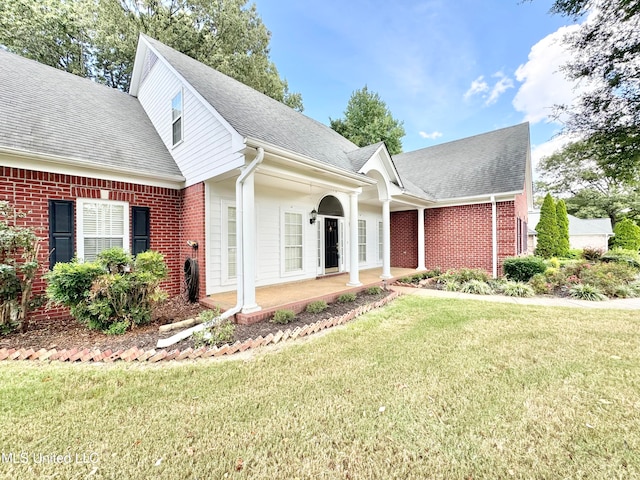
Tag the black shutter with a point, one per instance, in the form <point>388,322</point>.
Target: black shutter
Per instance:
<point>141,238</point>
<point>61,243</point>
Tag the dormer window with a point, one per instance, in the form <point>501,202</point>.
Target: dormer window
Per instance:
<point>176,118</point>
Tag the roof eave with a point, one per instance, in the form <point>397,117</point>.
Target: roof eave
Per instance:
<point>484,198</point>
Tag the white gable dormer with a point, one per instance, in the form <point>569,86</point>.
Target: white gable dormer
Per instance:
<point>202,143</point>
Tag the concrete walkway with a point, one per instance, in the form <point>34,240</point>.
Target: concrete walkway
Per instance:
<point>619,303</point>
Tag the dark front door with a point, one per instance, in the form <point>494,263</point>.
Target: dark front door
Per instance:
<point>331,256</point>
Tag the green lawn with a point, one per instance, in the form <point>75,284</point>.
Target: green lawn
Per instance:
<point>424,388</point>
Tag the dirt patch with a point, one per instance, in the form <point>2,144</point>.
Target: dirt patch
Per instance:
<point>68,333</point>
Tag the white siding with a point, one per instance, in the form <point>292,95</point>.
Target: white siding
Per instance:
<point>207,146</point>
<point>372,216</point>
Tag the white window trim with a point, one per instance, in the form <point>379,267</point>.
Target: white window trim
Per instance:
<point>224,242</point>
<point>181,117</point>
<point>283,262</point>
<point>80,202</point>
<point>360,261</point>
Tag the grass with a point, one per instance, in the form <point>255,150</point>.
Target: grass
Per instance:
<point>424,388</point>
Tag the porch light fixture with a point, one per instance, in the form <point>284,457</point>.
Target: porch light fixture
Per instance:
<point>314,215</point>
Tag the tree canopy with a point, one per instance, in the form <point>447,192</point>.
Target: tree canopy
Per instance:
<point>604,59</point>
<point>98,38</point>
<point>367,120</point>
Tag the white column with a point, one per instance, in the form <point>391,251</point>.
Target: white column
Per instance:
<point>249,245</point>
<point>354,273</point>
<point>421,245</point>
<point>386,240</point>
<point>494,236</point>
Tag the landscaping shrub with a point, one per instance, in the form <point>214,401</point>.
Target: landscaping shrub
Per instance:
<point>465,274</point>
<point>626,234</point>
<point>451,285</point>
<point>19,248</point>
<point>574,253</point>
<point>216,335</point>
<point>547,229</point>
<point>591,253</point>
<point>109,293</point>
<point>521,269</point>
<point>318,306</point>
<point>562,220</point>
<point>629,257</point>
<point>283,316</point>
<point>347,297</point>
<point>608,277</point>
<point>540,284</point>
<point>375,290</point>
<point>209,315</point>
<point>586,292</point>
<point>517,289</point>
<point>625,291</point>
<point>477,287</point>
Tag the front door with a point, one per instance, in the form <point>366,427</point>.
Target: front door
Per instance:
<point>331,243</point>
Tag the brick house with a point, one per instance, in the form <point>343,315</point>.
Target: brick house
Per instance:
<point>197,165</point>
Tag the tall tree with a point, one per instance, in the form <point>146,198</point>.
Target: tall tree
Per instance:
<point>547,229</point>
<point>626,235</point>
<point>583,172</point>
<point>98,38</point>
<point>605,51</point>
<point>562,219</point>
<point>367,120</point>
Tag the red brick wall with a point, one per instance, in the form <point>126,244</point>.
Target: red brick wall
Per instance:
<point>404,239</point>
<point>455,237</point>
<point>193,229</point>
<point>29,191</point>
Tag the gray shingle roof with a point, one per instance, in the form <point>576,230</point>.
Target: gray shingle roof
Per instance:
<point>579,226</point>
<point>486,164</point>
<point>253,114</point>
<point>362,155</point>
<point>51,112</point>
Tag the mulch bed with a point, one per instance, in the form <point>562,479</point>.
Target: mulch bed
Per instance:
<point>68,333</point>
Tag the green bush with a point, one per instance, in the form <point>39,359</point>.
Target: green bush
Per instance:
<point>547,229</point>
<point>574,253</point>
<point>283,316</point>
<point>626,234</point>
<point>521,269</point>
<point>216,335</point>
<point>465,274</point>
<point>540,284</point>
<point>517,289</point>
<point>318,306</point>
<point>586,292</point>
<point>451,285</point>
<point>562,220</point>
<point>625,291</point>
<point>608,277</point>
<point>591,253</point>
<point>630,257</point>
<point>107,292</point>
<point>347,297</point>
<point>209,314</point>
<point>477,287</point>
<point>375,290</point>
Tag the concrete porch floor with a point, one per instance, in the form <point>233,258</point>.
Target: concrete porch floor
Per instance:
<point>296,295</point>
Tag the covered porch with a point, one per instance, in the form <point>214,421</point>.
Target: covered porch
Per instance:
<point>296,295</point>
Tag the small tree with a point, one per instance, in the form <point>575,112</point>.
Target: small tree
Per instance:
<point>626,235</point>
<point>562,220</point>
<point>547,229</point>
<point>19,250</point>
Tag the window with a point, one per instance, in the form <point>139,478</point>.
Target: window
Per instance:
<point>292,241</point>
<point>176,118</point>
<point>380,240</point>
<point>362,240</point>
<point>232,244</point>
<point>102,224</point>
<point>141,238</point>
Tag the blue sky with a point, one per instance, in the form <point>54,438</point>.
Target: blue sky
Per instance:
<point>447,68</point>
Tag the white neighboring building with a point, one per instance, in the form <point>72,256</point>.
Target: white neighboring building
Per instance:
<point>583,233</point>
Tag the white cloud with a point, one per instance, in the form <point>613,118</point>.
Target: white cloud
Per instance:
<point>477,86</point>
<point>430,136</point>
<point>538,152</point>
<point>490,94</point>
<point>499,88</point>
<point>543,84</point>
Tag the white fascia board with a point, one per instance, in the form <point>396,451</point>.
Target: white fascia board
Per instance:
<point>499,197</point>
<point>387,162</point>
<point>355,178</point>
<point>237,140</point>
<point>83,168</point>
<point>138,62</point>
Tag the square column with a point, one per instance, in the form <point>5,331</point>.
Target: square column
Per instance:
<point>249,245</point>
<point>386,240</point>
<point>421,241</point>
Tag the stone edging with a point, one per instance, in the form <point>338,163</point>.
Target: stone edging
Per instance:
<point>86,355</point>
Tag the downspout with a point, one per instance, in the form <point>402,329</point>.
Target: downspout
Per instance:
<point>239,264</point>
<point>494,235</point>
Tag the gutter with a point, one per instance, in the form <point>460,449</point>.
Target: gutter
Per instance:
<point>165,342</point>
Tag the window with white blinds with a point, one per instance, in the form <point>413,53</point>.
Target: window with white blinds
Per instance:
<point>232,245</point>
<point>292,241</point>
<point>362,240</point>
<point>102,224</point>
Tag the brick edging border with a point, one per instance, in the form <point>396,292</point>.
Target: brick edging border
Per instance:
<point>136,354</point>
